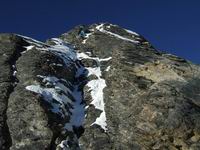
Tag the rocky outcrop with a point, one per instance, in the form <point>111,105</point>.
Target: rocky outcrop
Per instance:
<point>106,89</point>
<point>10,48</point>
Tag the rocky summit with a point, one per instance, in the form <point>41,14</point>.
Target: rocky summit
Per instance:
<point>96,87</point>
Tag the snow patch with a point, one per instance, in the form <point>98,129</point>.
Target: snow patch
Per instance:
<point>85,56</point>
<point>55,92</point>
<point>53,96</point>
<point>86,37</point>
<point>108,68</point>
<point>65,98</point>
<point>131,32</point>
<point>108,27</point>
<point>60,65</point>
<point>14,70</point>
<point>29,47</point>
<point>101,29</point>
<point>96,88</point>
<point>96,71</point>
<point>33,41</point>
<point>62,49</point>
<point>64,145</point>
<point>105,59</point>
<point>14,73</point>
<point>57,95</point>
<point>101,120</point>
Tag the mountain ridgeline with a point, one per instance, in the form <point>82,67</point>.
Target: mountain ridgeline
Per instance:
<point>96,87</point>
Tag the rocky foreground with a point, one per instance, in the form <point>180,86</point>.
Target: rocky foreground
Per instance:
<point>108,89</point>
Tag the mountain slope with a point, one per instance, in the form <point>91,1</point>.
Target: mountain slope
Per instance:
<point>96,87</point>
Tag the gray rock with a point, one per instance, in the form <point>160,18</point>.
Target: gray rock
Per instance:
<point>146,99</point>
<point>151,97</point>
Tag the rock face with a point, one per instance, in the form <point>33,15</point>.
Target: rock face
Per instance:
<point>97,87</point>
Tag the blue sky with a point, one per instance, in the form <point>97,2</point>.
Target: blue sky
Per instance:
<point>170,25</point>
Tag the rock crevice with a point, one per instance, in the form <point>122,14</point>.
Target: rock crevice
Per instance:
<point>11,47</point>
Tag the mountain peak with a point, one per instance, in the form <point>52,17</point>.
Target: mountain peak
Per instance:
<point>108,29</point>
<point>97,86</point>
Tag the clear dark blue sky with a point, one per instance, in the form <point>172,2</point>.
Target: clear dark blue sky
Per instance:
<point>170,25</point>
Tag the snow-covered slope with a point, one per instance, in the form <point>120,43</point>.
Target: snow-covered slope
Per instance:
<point>55,91</point>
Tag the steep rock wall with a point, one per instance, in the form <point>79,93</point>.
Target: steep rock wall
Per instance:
<point>108,89</point>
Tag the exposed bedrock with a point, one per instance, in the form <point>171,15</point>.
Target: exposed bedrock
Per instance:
<point>105,89</point>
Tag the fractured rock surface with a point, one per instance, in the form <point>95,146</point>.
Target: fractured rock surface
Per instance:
<point>110,89</point>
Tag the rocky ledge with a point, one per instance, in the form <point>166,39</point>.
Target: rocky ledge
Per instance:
<point>96,87</point>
